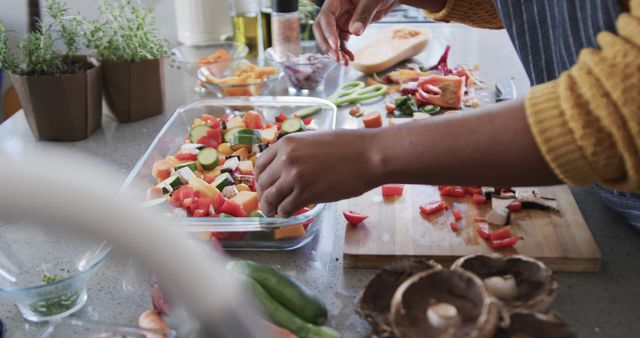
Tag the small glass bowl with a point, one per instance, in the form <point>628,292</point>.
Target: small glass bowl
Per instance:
<point>45,272</point>
<point>254,88</point>
<point>304,77</point>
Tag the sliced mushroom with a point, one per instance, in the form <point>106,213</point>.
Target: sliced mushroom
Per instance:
<point>443,303</point>
<point>530,199</point>
<point>374,304</point>
<point>526,324</point>
<point>535,285</point>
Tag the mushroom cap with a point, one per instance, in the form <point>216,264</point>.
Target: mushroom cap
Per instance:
<point>478,312</point>
<point>537,287</point>
<point>374,304</point>
<point>523,324</point>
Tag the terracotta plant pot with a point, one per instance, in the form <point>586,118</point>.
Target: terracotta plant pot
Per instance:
<point>63,107</point>
<point>134,90</point>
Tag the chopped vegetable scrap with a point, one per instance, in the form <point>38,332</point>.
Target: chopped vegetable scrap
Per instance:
<point>456,214</point>
<point>505,243</point>
<point>356,112</point>
<point>433,207</point>
<point>353,217</point>
<point>454,227</point>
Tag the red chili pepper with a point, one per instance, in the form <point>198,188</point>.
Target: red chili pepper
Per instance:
<point>501,234</point>
<point>505,243</point>
<point>483,231</point>
<point>433,207</point>
<point>515,206</point>
<point>479,199</point>
<point>392,190</point>
<point>456,214</point>
<point>454,227</point>
<point>479,219</point>
<point>452,191</point>
<point>353,217</point>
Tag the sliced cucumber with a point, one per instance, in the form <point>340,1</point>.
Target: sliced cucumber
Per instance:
<point>292,125</point>
<point>198,132</point>
<point>222,181</point>
<point>306,112</point>
<point>231,133</point>
<point>191,165</point>
<point>170,184</point>
<point>208,158</point>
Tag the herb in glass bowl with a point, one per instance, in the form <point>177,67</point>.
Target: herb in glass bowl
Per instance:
<point>59,304</point>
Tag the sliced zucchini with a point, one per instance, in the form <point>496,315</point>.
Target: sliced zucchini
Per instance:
<point>170,184</point>
<point>243,139</point>
<point>208,158</point>
<point>191,165</point>
<point>292,125</point>
<point>198,132</point>
<point>230,133</point>
<point>222,181</point>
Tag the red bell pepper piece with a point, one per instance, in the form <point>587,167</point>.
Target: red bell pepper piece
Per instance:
<point>281,117</point>
<point>433,207</point>
<point>473,190</point>
<point>505,243</point>
<point>307,121</point>
<point>186,157</point>
<point>479,199</point>
<point>218,202</point>
<point>456,214</point>
<point>454,227</point>
<point>515,206</point>
<point>353,217</point>
<point>207,141</point>
<point>501,234</point>
<point>483,231</point>
<point>389,190</point>
<point>232,208</point>
<point>452,191</point>
<point>216,134</point>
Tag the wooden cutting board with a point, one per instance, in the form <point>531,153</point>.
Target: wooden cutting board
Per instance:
<point>396,229</point>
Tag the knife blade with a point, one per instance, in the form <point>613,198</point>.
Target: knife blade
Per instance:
<point>505,90</point>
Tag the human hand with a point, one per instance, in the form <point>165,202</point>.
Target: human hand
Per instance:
<point>338,19</point>
<point>305,168</point>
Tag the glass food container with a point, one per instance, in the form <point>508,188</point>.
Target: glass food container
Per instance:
<point>259,231</point>
<point>91,329</point>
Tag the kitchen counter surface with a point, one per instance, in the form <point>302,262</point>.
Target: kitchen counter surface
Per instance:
<point>603,304</point>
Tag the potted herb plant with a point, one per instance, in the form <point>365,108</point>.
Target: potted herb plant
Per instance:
<point>60,92</point>
<point>128,43</point>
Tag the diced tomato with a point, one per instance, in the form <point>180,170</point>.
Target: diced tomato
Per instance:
<point>215,134</point>
<point>433,207</point>
<point>515,206</point>
<point>281,117</point>
<point>452,191</point>
<point>307,121</point>
<point>505,243</point>
<point>252,120</point>
<point>501,234</point>
<point>456,214</point>
<point>454,227</point>
<point>209,179</point>
<point>186,157</point>
<point>232,208</point>
<point>392,190</point>
<point>218,202</point>
<point>353,217</point>
<point>483,231</point>
<point>201,213</point>
<point>207,141</point>
<point>480,219</point>
<point>372,119</point>
<point>479,199</point>
<point>473,190</point>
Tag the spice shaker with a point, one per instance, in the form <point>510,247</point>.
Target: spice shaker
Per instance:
<point>285,28</point>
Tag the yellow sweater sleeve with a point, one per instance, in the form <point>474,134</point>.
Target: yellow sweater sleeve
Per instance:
<point>476,13</point>
<point>587,122</point>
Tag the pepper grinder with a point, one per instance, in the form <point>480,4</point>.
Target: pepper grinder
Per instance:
<point>285,28</point>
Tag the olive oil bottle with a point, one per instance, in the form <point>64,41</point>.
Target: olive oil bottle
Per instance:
<point>245,31</point>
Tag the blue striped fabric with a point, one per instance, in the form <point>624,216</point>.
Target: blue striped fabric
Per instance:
<point>548,36</point>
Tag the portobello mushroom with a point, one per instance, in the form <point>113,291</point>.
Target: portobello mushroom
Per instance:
<point>443,303</point>
<point>374,304</point>
<point>519,282</point>
<point>530,199</point>
<point>526,324</point>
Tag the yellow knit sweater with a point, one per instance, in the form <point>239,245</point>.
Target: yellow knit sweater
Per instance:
<point>587,122</point>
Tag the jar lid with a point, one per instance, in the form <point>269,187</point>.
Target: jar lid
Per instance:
<point>284,6</point>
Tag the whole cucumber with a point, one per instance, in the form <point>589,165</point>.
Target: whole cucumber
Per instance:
<point>285,290</point>
<point>282,317</point>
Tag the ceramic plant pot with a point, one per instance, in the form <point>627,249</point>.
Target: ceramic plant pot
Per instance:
<point>134,90</point>
<point>63,107</point>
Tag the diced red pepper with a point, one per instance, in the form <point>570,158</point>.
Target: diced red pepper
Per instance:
<point>479,199</point>
<point>389,190</point>
<point>215,134</point>
<point>515,206</point>
<point>232,208</point>
<point>452,191</point>
<point>433,207</point>
<point>281,117</point>
<point>456,214</point>
<point>186,157</point>
<point>501,234</point>
<point>306,224</point>
<point>307,121</point>
<point>479,219</point>
<point>218,202</point>
<point>353,217</point>
<point>505,243</point>
<point>483,231</point>
<point>473,190</point>
<point>207,141</point>
<point>454,227</point>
